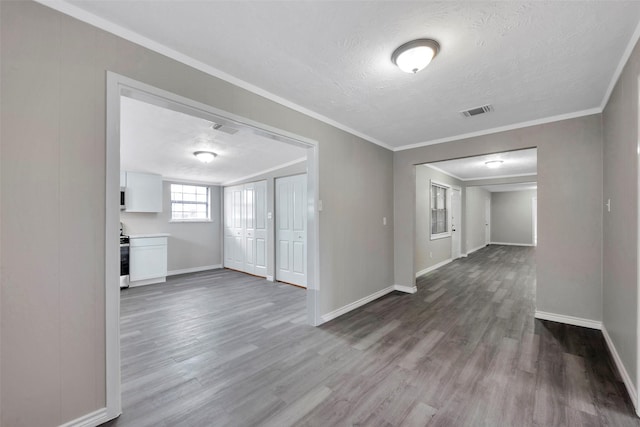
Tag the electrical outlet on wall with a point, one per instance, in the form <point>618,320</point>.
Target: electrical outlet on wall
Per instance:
<point>430,254</point>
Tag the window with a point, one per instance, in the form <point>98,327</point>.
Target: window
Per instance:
<point>189,203</point>
<point>439,210</point>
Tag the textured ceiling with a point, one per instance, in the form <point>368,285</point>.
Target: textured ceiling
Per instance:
<point>530,60</point>
<point>524,186</point>
<point>515,163</point>
<point>162,141</point>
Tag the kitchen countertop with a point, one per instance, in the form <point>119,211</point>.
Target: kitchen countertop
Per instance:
<point>140,236</point>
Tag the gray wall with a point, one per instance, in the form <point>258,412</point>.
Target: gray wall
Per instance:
<point>53,161</point>
<point>191,244</point>
<point>620,234</point>
<point>429,252</point>
<point>511,217</point>
<point>474,214</point>
<point>270,177</point>
<point>569,202</point>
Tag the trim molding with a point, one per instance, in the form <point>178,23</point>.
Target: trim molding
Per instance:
<point>475,249</point>
<point>91,419</point>
<point>626,379</point>
<point>569,320</point>
<point>620,68</point>
<point>359,303</point>
<point>193,270</point>
<point>408,289</point>
<point>134,37</point>
<point>511,244</point>
<point>433,267</point>
<point>515,126</point>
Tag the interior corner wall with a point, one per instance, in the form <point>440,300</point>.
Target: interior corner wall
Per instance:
<point>475,220</point>
<point>53,109</point>
<point>511,217</point>
<point>620,225</point>
<point>429,252</point>
<point>191,245</point>
<point>569,260</point>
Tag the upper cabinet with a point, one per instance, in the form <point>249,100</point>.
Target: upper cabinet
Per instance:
<point>143,192</point>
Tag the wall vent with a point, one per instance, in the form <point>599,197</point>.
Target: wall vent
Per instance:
<point>224,128</point>
<point>478,110</point>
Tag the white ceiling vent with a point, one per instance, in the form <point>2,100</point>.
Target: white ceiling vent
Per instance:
<point>478,110</point>
<point>224,128</point>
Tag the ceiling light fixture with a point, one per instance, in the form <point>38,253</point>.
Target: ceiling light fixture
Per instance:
<point>205,156</point>
<point>493,164</point>
<point>413,56</point>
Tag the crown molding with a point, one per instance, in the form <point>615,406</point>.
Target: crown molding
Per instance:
<point>623,61</point>
<point>134,37</point>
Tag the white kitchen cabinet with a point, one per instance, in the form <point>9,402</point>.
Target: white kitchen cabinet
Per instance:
<point>143,192</point>
<point>147,260</point>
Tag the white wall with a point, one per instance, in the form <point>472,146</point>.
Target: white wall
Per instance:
<point>511,217</point>
<point>429,252</point>
<point>191,244</point>
<point>474,216</point>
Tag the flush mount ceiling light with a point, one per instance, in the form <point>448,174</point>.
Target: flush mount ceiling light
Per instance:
<point>413,56</point>
<point>493,164</point>
<point>205,156</point>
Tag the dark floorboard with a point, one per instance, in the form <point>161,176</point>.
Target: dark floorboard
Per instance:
<point>221,348</point>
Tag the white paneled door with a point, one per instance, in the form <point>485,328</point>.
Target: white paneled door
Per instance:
<point>291,230</point>
<point>233,228</point>
<point>245,228</point>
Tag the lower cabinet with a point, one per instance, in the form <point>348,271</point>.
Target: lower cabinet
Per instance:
<point>147,260</point>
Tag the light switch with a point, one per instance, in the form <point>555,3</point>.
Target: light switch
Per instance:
<point>384,220</point>
<point>319,205</point>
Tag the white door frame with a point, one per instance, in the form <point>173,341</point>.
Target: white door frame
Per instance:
<point>487,220</point>
<point>118,85</point>
<point>458,221</point>
<point>534,220</point>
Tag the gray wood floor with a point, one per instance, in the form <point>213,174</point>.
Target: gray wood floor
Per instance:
<point>222,348</point>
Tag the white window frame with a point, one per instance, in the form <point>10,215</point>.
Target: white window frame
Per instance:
<point>207,219</point>
<point>447,233</point>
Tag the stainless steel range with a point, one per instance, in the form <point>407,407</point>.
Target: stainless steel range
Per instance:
<point>124,261</point>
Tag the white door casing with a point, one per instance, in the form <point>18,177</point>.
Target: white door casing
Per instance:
<point>260,203</point>
<point>291,233</point>
<point>487,220</point>
<point>534,220</point>
<point>249,223</point>
<point>456,222</point>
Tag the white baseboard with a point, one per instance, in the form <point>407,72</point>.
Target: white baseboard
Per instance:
<point>352,306</point>
<point>433,267</point>
<point>408,289</point>
<point>92,419</point>
<point>147,282</point>
<point>475,249</point>
<point>569,320</point>
<point>511,244</point>
<point>270,278</point>
<point>628,383</point>
<point>193,270</point>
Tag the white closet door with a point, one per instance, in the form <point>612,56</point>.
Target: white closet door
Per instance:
<point>291,229</point>
<point>260,231</point>
<point>233,228</point>
<point>249,229</point>
<point>245,228</point>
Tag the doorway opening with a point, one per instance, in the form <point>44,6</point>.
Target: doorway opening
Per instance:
<point>465,204</point>
<point>120,87</point>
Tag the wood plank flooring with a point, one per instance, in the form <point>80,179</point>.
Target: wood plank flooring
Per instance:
<point>222,348</point>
